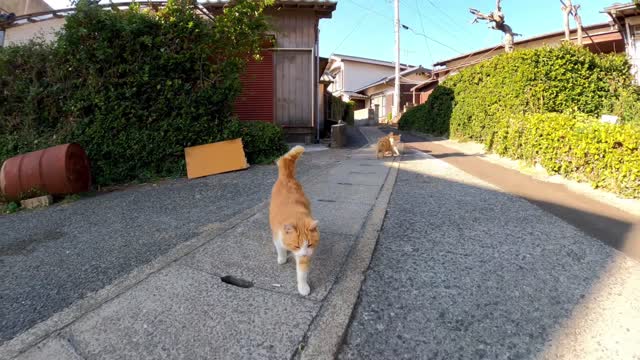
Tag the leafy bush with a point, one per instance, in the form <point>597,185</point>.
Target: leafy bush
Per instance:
<point>349,113</point>
<point>549,79</point>
<point>513,104</point>
<point>576,146</point>
<point>132,87</point>
<point>433,116</point>
<point>341,110</point>
<point>263,142</point>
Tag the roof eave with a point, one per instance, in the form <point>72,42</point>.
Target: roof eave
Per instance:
<point>523,41</point>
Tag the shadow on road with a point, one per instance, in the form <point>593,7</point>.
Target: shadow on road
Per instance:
<point>464,271</point>
<point>604,222</point>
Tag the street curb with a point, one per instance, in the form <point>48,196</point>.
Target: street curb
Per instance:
<point>64,318</point>
<point>328,328</point>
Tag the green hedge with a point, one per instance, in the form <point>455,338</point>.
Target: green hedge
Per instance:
<point>513,104</point>
<point>576,146</point>
<point>134,88</point>
<point>263,142</point>
<point>349,113</point>
<point>341,110</point>
<point>432,117</point>
<point>549,79</point>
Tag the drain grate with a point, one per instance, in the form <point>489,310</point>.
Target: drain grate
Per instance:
<point>232,280</point>
<point>326,200</point>
<point>345,183</point>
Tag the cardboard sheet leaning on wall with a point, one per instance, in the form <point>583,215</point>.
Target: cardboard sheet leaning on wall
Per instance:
<point>215,158</point>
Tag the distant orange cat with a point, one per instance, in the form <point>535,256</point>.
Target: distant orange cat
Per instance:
<point>388,143</point>
<point>292,226</point>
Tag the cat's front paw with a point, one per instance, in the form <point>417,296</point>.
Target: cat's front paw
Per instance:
<point>282,260</point>
<point>304,289</point>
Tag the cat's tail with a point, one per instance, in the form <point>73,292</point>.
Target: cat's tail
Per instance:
<point>287,163</point>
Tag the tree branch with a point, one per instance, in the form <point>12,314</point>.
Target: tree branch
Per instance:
<point>497,18</point>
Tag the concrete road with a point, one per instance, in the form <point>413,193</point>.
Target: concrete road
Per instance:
<point>464,270</point>
<point>179,305</point>
<point>53,257</point>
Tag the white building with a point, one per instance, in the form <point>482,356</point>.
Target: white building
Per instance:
<point>627,19</point>
<point>351,73</point>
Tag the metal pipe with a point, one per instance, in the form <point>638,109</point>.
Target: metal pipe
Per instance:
<point>630,43</point>
<point>316,85</point>
<point>313,100</point>
<point>396,94</point>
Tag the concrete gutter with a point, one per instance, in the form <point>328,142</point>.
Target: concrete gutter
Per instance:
<point>330,325</point>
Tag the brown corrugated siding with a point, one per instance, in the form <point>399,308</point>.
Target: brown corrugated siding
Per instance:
<point>256,102</point>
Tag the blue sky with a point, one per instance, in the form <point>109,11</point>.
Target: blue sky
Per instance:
<point>365,27</point>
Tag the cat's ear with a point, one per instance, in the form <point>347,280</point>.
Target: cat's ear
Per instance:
<point>313,225</point>
<point>288,228</point>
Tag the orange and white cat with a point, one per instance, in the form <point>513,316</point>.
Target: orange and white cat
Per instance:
<point>388,143</point>
<point>292,225</point>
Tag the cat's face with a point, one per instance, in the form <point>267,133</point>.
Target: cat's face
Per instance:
<point>301,239</point>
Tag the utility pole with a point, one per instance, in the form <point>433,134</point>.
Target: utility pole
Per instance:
<point>396,92</point>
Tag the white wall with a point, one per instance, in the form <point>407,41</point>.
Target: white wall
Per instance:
<point>357,74</point>
<point>23,33</point>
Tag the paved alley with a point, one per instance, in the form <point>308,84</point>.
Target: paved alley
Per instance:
<point>463,270</point>
<point>176,306</point>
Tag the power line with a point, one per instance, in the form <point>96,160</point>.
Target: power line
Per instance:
<point>453,22</point>
<point>350,33</point>
<point>426,42</point>
<point>430,38</point>
<point>403,26</point>
<point>437,21</point>
<point>371,10</point>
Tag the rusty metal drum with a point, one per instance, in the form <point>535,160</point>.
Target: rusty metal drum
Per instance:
<point>58,170</point>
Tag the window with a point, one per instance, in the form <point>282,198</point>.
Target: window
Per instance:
<point>381,101</point>
<point>1,37</point>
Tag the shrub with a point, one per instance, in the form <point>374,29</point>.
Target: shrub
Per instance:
<point>541,105</point>
<point>263,142</point>
<point>549,79</point>
<point>132,87</point>
<point>349,113</point>
<point>341,110</point>
<point>576,146</point>
<point>337,107</point>
<point>432,117</point>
